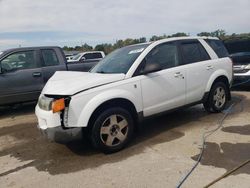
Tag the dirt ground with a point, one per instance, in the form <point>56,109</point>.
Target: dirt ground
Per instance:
<point>159,156</point>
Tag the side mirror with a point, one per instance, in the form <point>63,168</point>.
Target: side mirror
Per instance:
<point>83,59</point>
<point>152,67</point>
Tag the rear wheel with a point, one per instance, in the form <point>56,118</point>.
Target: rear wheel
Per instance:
<point>218,97</point>
<point>112,130</point>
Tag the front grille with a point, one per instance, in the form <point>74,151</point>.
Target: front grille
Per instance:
<point>240,70</point>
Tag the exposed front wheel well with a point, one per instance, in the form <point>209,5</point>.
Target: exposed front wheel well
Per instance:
<point>118,102</point>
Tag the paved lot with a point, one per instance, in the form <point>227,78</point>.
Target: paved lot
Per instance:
<point>159,156</point>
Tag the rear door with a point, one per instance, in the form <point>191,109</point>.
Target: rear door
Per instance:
<point>21,78</point>
<point>199,67</point>
<point>51,62</point>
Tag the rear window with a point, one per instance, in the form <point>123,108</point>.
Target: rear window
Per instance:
<point>193,52</point>
<point>88,56</point>
<point>97,55</point>
<point>50,57</point>
<point>218,47</point>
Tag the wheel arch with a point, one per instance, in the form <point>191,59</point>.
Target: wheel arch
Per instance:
<point>118,98</point>
<point>219,76</point>
<point>116,102</point>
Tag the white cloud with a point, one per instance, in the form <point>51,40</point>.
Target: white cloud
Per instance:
<point>10,42</point>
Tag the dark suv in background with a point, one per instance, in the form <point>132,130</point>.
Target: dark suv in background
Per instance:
<point>240,53</point>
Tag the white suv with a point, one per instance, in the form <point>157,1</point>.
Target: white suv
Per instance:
<point>133,83</point>
<point>87,56</point>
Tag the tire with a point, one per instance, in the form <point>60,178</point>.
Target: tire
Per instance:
<point>217,99</point>
<point>112,130</point>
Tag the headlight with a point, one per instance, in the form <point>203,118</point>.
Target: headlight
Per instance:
<point>56,105</point>
<point>45,103</point>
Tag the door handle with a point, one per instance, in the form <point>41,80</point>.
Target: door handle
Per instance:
<point>177,75</point>
<point>37,74</point>
<point>209,67</point>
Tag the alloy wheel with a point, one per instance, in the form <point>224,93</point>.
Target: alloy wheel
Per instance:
<point>114,130</point>
<point>219,97</point>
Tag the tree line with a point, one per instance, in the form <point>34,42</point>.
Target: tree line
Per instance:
<point>108,47</point>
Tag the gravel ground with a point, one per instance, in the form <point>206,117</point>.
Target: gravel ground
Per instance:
<point>159,156</point>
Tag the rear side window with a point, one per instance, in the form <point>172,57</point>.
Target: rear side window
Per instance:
<point>88,56</point>
<point>193,52</point>
<point>218,47</point>
<point>97,55</point>
<point>50,58</point>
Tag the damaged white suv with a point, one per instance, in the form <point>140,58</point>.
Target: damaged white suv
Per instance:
<point>133,83</point>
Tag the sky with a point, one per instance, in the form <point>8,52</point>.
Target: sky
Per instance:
<point>75,22</point>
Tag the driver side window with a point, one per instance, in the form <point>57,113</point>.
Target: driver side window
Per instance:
<point>18,60</point>
<point>166,55</point>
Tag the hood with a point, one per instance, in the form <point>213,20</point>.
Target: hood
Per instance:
<point>69,83</point>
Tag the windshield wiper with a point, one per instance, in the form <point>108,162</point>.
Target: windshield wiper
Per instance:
<point>101,72</point>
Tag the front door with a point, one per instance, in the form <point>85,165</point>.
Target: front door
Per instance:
<point>20,78</point>
<point>165,89</point>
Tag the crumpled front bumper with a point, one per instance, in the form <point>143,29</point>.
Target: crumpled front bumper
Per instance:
<point>49,125</point>
<point>60,135</point>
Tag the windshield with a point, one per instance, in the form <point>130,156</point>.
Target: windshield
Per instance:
<point>120,60</point>
<point>76,57</point>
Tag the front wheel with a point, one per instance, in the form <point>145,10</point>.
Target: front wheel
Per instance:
<point>217,98</point>
<point>112,130</point>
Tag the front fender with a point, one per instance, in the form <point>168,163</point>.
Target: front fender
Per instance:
<point>99,99</point>
<point>214,76</point>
